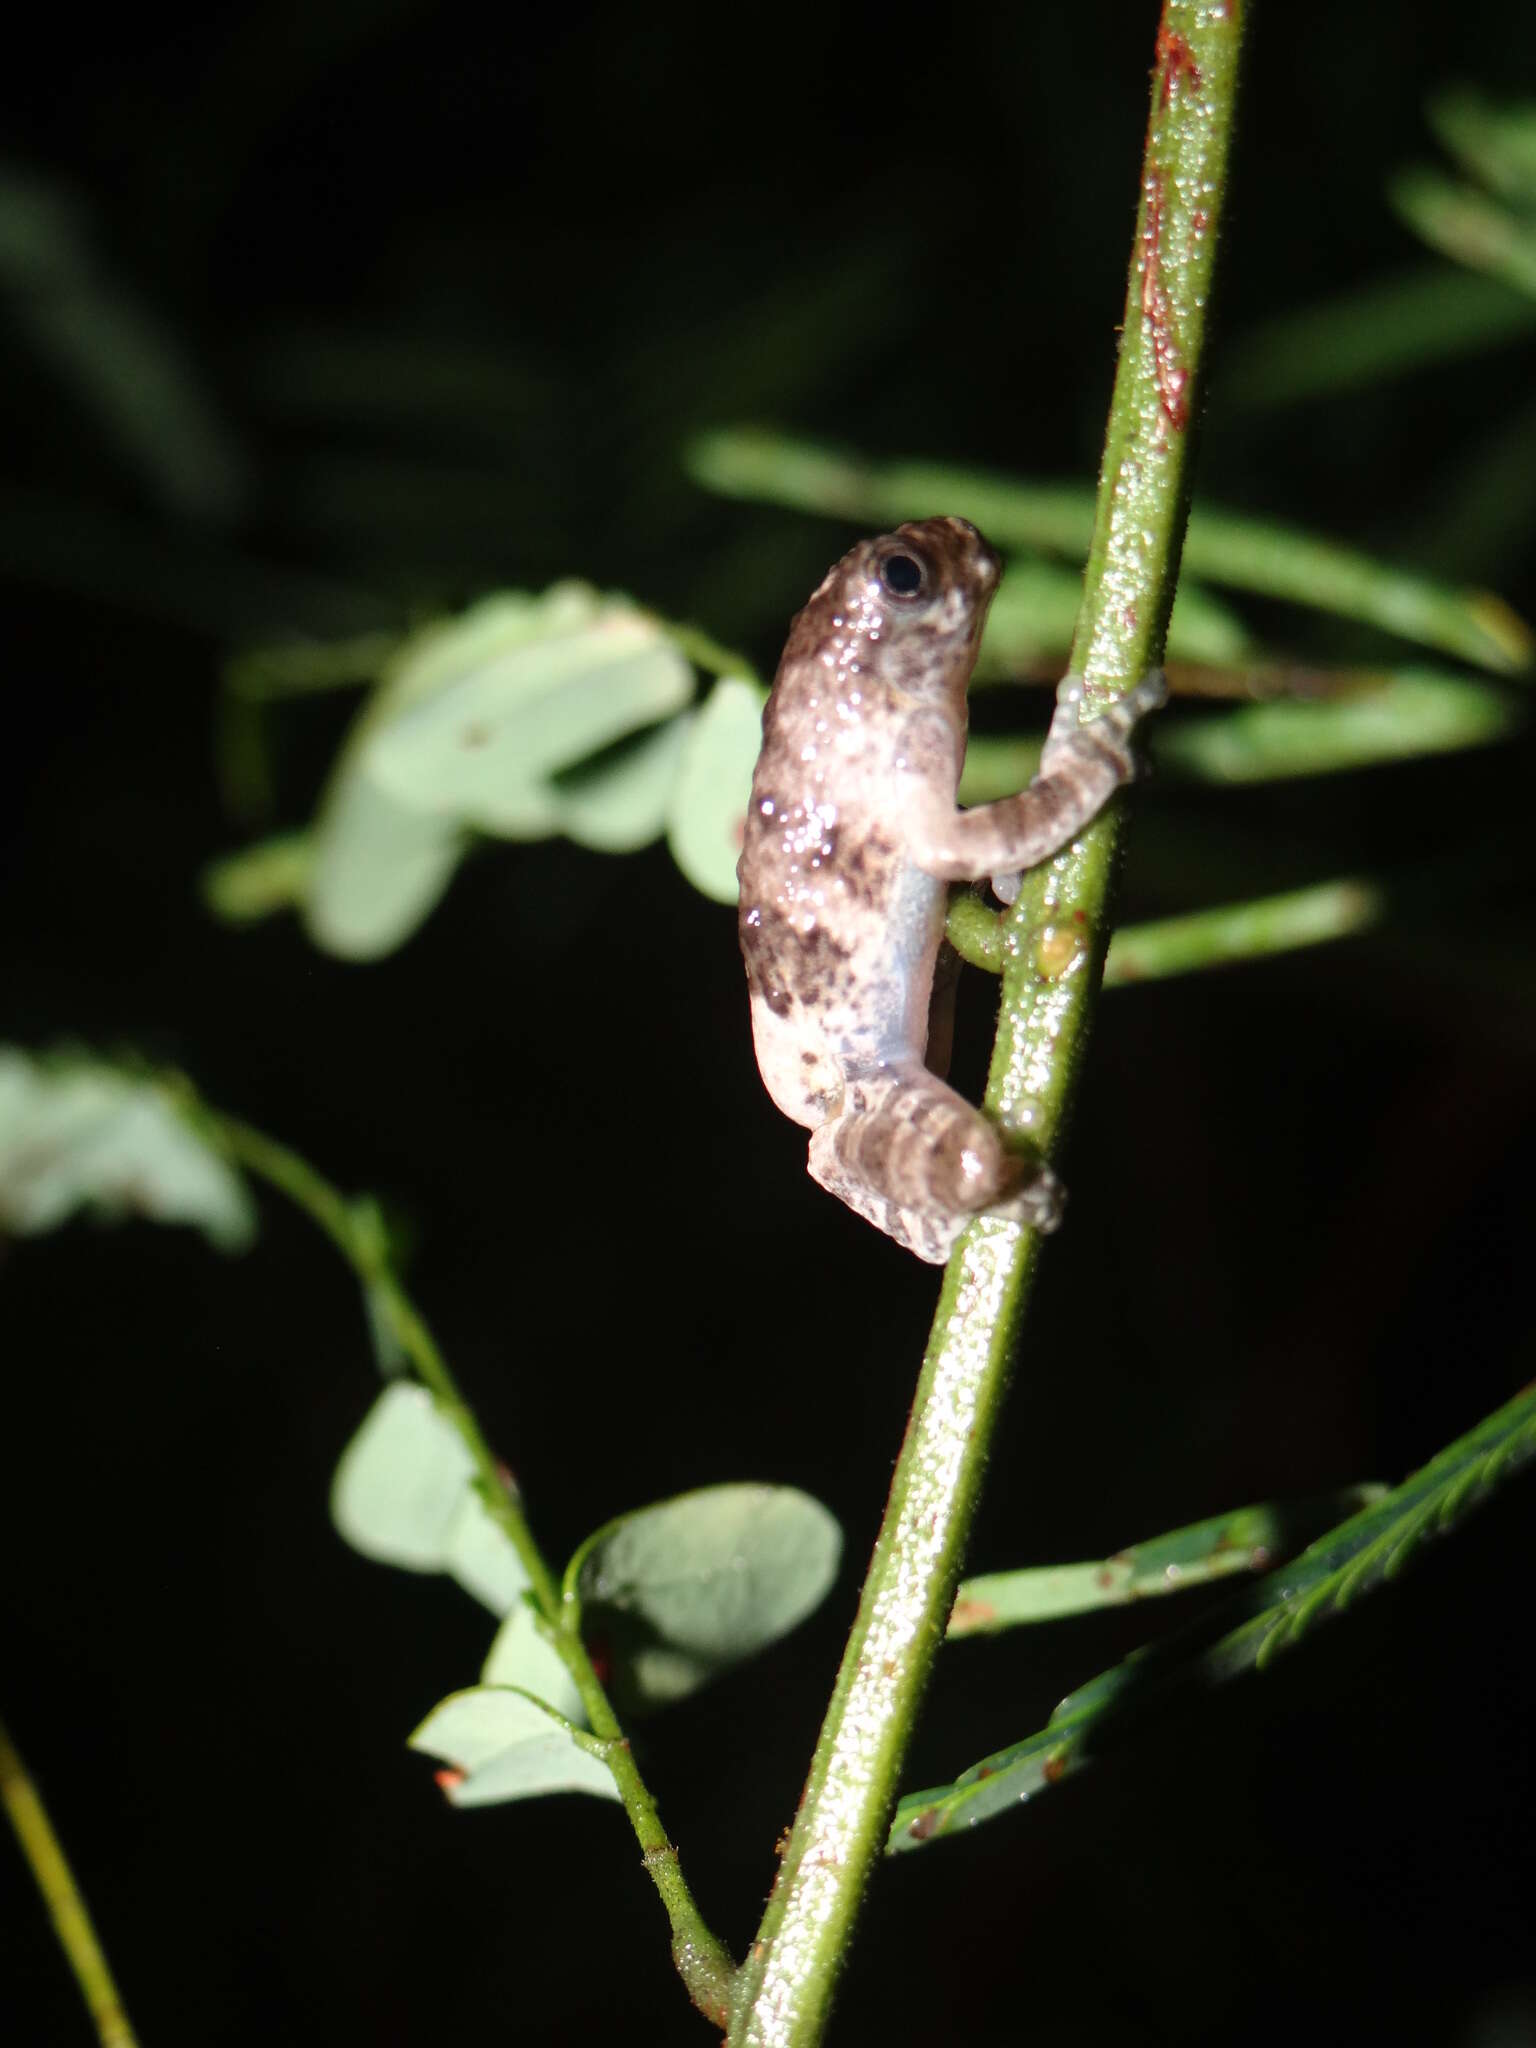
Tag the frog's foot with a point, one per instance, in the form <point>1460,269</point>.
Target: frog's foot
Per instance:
<point>1101,743</point>
<point>1108,732</point>
<point>915,1159</point>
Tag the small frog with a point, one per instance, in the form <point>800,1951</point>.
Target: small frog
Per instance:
<point>852,834</point>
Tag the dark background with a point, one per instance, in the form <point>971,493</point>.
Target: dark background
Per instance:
<point>446,292</point>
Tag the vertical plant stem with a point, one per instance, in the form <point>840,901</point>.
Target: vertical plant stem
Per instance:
<point>1054,943</point>
<point>702,1960</point>
<point>56,1881</point>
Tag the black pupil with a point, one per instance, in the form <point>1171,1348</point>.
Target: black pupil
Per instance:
<point>901,575</point>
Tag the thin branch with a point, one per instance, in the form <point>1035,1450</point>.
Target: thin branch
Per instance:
<point>354,1228</point>
<point>56,1881</point>
<point>1055,941</point>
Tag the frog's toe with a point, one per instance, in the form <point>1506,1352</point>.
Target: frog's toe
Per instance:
<point>1037,1204</point>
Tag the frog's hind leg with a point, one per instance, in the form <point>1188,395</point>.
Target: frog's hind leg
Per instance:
<point>916,1160</point>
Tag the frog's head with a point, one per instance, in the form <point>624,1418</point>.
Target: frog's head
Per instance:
<point>915,601</point>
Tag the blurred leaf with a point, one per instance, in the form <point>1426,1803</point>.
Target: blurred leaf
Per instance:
<point>1362,1553</point>
<point>300,668</point>
<point>114,354</point>
<point>680,1591</point>
<point>1035,611</point>
<point>1496,144</point>
<point>1247,1540</point>
<point>1382,330</point>
<point>1225,547</point>
<point>508,1747</point>
<point>1396,715</point>
<point>506,711</point>
<point>1408,712</point>
<point>620,802</point>
<point>403,1494</point>
<point>1231,932</point>
<point>709,800</point>
<point>378,866</point>
<point>521,1657</point>
<point>77,1134</point>
<point>274,875</point>
<point>1468,227</point>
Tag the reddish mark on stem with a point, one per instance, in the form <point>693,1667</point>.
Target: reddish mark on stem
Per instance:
<point>1177,63</point>
<point>448,1781</point>
<point>1172,377</point>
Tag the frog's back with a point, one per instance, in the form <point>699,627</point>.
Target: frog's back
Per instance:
<point>839,930</point>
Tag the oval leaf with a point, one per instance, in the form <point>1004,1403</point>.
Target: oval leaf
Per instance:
<point>403,1495</point>
<point>508,1747</point>
<point>523,708</point>
<point>619,803</point>
<point>682,1590</point>
<point>520,1656</point>
<point>378,867</point>
<point>714,781</point>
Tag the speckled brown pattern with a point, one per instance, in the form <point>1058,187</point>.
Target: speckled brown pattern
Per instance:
<point>850,834</point>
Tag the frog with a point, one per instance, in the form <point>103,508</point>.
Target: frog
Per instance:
<point>852,838</point>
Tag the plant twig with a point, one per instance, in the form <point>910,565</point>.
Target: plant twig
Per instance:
<point>1055,940</point>
<point>56,1881</point>
<point>354,1228</point>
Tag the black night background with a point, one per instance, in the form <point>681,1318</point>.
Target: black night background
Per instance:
<point>445,292</point>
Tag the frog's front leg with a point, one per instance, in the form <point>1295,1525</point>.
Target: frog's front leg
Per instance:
<point>915,1159</point>
<point>1081,766</point>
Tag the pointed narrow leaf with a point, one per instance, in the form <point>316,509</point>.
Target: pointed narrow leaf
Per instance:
<point>1270,1617</point>
<point>1408,713</point>
<point>1220,546</point>
<point>508,1747</point>
<point>1496,143</point>
<point>1035,611</point>
<point>1246,1540</point>
<point>680,1591</point>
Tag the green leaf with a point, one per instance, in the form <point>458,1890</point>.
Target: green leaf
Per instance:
<point>508,1746</point>
<point>1246,1540</point>
<point>1362,1553</point>
<point>1465,225</point>
<point>378,867</point>
<point>1497,144</point>
<point>1385,329</point>
<point>1409,712</point>
<point>273,875</point>
<point>1035,611</point>
<point>714,781</point>
<point>1245,931</point>
<point>680,1591</point>
<point>1393,716</point>
<point>620,802</point>
<point>404,1495</point>
<point>79,1134</point>
<point>522,1657</point>
<point>505,711</point>
<point>1220,546</point>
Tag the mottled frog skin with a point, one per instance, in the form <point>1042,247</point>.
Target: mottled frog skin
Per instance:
<point>852,834</point>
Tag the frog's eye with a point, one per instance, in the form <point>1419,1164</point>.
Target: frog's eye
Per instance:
<point>902,575</point>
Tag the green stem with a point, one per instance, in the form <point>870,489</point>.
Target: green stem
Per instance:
<point>1054,942</point>
<point>56,1881</point>
<point>354,1228</point>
